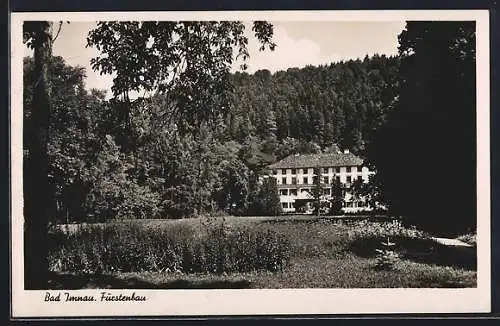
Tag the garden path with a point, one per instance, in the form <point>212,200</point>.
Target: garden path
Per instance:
<point>451,242</point>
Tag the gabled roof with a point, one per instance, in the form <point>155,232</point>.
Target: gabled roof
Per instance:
<point>317,160</point>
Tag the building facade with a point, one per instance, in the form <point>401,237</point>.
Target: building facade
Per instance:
<point>295,177</point>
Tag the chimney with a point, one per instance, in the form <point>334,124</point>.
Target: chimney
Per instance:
<point>334,149</point>
<point>346,151</point>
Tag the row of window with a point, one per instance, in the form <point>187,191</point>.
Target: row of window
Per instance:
<point>326,180</point>
<point>293,192</point>
<point>323,170</point>
<point>355,204</point>
<point>349,204</point>
<point>289,192</point>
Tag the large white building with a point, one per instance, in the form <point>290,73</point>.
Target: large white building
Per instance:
<point>295,179</point>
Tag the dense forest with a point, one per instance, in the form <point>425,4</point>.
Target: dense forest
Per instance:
<point>341,103</point>
<point>109,160</point>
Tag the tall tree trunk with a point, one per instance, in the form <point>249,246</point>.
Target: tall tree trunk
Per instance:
<point>38,197</point>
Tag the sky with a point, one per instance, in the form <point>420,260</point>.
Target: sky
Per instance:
<point>299,44</point>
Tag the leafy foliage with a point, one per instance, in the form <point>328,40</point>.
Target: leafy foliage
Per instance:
<point>381,230</point>
<point>150,169</point>
<point>131,247</point>
<point>117,159</point>
<point>189,61</point>
<point>266,199</point>
<point>338,194</point>
<point>317,191</point>
<point>93,178</point>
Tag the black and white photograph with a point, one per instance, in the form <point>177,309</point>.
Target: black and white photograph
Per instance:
<point>303,163</point>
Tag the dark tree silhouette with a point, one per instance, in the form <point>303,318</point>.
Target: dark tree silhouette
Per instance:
<point>425,154</point>
<point>38,193</point>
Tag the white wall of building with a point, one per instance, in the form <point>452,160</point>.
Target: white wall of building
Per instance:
<point>290,185</point>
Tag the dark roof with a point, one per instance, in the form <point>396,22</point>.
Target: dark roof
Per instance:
<point>317,160</point>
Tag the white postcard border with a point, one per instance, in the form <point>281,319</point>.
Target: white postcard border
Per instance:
<point>266,301</point>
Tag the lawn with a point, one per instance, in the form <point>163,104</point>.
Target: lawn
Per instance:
<point>254,253</point>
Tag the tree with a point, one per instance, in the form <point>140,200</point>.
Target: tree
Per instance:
<point>338,195</point>
<point>113,191</point>
<point>425,153</point>
<point>74,125</point>
<point>185,65</point>
<point>318,191</point>
<point>189,61</point>
<point>93,178</point>
<point>267,200</point>
<point>372,192</point>
<point>38,198</point>
<point>232,195</point>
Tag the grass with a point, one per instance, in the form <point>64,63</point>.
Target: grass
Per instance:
<point>313,253</point>
<point>133,247</point>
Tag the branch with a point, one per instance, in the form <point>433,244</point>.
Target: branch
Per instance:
<point>58,31</point>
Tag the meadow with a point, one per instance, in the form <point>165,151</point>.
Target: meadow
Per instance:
<point>254,252</point>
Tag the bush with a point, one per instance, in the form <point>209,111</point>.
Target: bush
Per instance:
<point>469,238</point>
<point>386,257</point>
<point>409,243</point>
<point>266,201</point>
<point>130,247</point>
<point>381,230</point>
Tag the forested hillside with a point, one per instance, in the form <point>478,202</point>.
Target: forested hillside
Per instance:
<point>111,160</point>
<point>340,103</point>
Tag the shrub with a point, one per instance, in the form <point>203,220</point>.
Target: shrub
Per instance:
<point>365,238</point>
<point>469,238</point>
<point>386,257</point>
<point>131,247</point>
<point>380,230</point>
<point>266,201</point>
